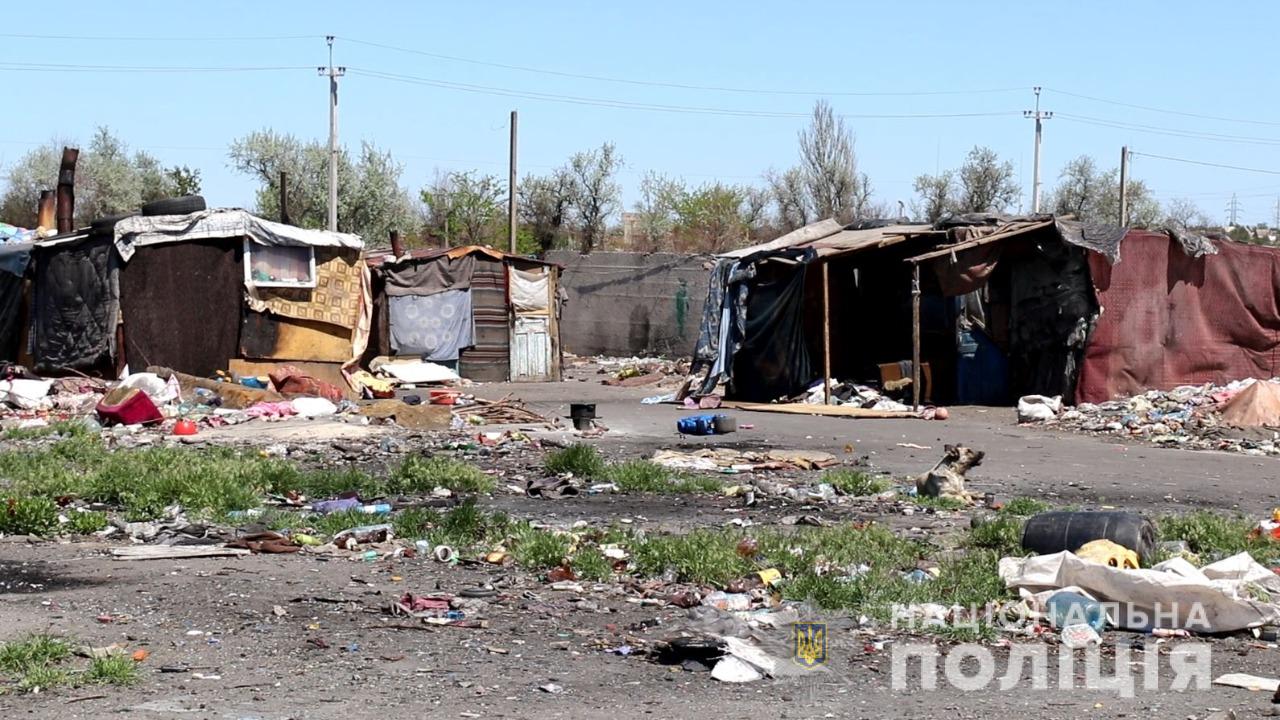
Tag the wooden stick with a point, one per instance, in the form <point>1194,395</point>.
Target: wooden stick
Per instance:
<point>826,335</point>
<point>915,339</point>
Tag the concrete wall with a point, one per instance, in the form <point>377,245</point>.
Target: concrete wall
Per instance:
<point>623,303</point>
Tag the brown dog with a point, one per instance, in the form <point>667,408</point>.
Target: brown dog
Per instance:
<point>946,479</point>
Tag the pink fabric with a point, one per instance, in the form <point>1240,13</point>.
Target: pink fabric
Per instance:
<point>271,410</point>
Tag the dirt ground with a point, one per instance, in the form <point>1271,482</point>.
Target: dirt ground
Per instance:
<point>305,636</point>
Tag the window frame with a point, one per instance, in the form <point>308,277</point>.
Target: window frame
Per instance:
<point>249,281</point>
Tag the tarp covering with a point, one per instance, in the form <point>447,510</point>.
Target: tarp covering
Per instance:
<point>427,277</point>
<point>14,258</point>
<point>435,326</point>
<point>489,360</point>
<point>773,360</point>
<point>1255,406</point>
<point>1170,319</point>
<point>529,291</point>
<point>12,288</point>
<point>140,230</point>
<point>181,306</point>
<point>77,302</point>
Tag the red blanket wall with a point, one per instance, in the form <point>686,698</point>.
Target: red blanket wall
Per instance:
<point>1169,319</point>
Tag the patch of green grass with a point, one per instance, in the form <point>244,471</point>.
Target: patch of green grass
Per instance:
<point>85,523</point>
<point>648,476</point>
<point>33,651</point>
<point>334,523</point>
<point>581,460</point>
<point>28,515</point>
<point>1215,535</point>
<point>413,523</point>
<point>421,474</point>
<point>43,678</point>
<point>537,549</point>
<point>857,483</point>
<point>701,556</point>
<point>1024,506</point>
<point>1002,534</point>
<point>591,564</point>
<point>28,433</point>
<point>112,670</point>
<point>939,503</point>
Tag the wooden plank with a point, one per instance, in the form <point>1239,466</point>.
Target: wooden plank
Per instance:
<point>915,339</point>
<point>825,410</point>
<point>174,552</point>
<point>826,333</point>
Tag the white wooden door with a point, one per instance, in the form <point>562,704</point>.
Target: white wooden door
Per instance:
<point>531,349</point>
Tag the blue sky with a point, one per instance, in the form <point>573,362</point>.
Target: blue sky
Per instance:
<point>1180,57</point>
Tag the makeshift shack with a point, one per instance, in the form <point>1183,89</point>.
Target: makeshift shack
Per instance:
<point>224,289</point>
<point>1091,312</point>
<point>199,293</point>
<point>491,316</point>
<point>824,301</point>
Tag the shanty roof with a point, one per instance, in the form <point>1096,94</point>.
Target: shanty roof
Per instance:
<point>140,230</point>
<point>979,237</point>
<point>376,258</point>
<point>829,237</point>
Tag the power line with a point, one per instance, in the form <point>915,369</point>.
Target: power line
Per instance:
<point>58,67</point>
<point>158,38</point>
<point>1206,164</point>
<point>681,86</point>
<point>1173,132</point>
<point>629,105</point>
<point>1149,108</point>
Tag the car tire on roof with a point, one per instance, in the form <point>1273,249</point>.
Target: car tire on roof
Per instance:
<point>184,205</point>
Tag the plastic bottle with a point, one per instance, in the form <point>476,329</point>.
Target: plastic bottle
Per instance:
<point>378,509</point>
<point>1069,608</point>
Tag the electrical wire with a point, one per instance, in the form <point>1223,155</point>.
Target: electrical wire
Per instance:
<point>1204,163</point>
<point>1149,108</point>
<point>681,86</point>
<point>58,67</point>
<point>160,38</point>
<point>628,105</point>
<point>1172,132</point>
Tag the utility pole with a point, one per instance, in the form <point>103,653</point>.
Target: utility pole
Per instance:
<point>1039,116</point>
<point>511,190</point>
<point>1124,186</point>
<point>1233,210</point>
<point>334,73</point>
<point>1276,227</point>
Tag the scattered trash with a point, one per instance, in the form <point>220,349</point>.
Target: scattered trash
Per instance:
<point>362,535</point>
<point>1051,532</point>
<point>1066,609</point>
<point>552,688</point>
<point>1108,553</point>
<point>1079,636</point>
<point>734,670</point>
<point>1038,408</point>
<point>1248,682</point>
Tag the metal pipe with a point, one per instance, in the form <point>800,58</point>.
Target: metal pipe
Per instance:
<point>48,210</point>
<point>66,203</point>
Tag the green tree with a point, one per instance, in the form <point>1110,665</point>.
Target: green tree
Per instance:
<point>183,180</point>
<point>937,195</point>
<point>371,201</point>
<point>544,204</point>
<point>109,180</point>
<point>986,183</point>
<point>1091,194</point>
<point>465,208</point>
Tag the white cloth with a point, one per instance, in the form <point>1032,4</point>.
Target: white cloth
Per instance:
<point>1211,599</point>
<point>529,291</point>
<point>140,230</point>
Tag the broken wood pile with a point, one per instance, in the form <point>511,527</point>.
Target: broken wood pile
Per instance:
<point>506,411</point>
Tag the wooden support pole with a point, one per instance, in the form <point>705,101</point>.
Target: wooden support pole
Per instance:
<point>826,335</point>
<point>915,339</point>
<point>284,197</point>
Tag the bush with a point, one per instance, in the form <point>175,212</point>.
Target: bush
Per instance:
<point>28,516</point>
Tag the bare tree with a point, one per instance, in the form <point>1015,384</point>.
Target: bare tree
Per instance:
<point>830,167</point>
<point>986,184</point>
<point>790,198</point>
<point>595,191</point>
<point>1183,213</point>
<point>936,195</point>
